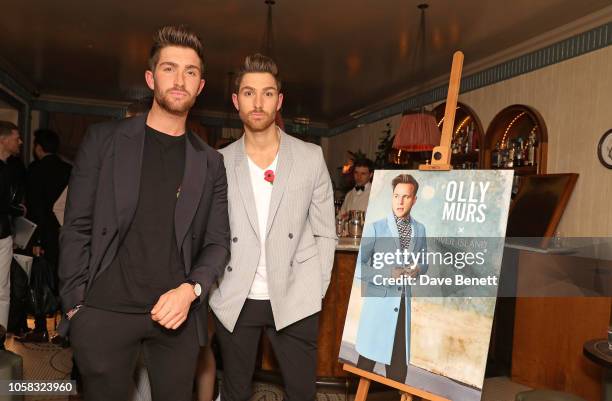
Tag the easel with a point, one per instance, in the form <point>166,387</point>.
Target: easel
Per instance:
<point>441,155</point>
<point>440,161</point>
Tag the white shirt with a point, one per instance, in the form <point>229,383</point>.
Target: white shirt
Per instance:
<point>60,206</point>
<point>262,191</point>
<point>356,200</point>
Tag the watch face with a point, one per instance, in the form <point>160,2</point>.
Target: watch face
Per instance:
<point>197,288</point>
<point>604,149</point>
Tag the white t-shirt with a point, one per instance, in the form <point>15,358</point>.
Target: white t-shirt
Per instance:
<point>262,191</point>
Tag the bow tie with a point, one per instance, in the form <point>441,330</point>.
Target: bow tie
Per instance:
<point>359,187</point>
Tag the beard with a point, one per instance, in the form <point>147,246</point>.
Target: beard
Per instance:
<point>176,107</point>
<point>257,125</point>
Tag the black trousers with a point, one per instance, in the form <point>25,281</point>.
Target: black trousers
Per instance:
<point>398,368</point>
<point>106,346</point>
<point>295,348</point>
<point>51,255</point>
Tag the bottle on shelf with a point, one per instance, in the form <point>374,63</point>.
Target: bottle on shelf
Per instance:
<point>519,153</point>
<point>510,159</point>
<point>496,157</point>
<point>531,149</point>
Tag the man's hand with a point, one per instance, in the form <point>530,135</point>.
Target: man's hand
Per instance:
<point>405,271</point>
<point>172,308</point>
<point>412,271</point>
<point>397,272</point>
<point>38,251</point>
<point>70,314</point>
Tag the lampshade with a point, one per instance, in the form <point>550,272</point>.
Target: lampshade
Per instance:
<point>418,132</point>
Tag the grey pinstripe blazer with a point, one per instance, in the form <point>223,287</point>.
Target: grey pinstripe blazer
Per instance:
<point>301,236</point>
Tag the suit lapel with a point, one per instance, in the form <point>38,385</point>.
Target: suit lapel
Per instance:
<point>281,179</point>
<point>243,178</point>
<point>192,186</point>
<point>393,229</point>
<point>129,146</point>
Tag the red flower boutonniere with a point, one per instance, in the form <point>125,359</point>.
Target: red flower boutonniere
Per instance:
<point>269,176</point>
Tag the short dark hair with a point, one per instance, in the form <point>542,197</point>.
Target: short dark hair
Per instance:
<point>6,127</point>
<point>257,63</point>
<point>140,106</point>
<point>175,35</point>
<point>405,179</point>
<point>364,163</point>
<point>48,140</point>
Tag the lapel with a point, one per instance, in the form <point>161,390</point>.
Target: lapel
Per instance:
<point>129,145</point>
<point>243,179</point>
<point>393,229</point>
<point>192,186</point>
<point>281,176</point>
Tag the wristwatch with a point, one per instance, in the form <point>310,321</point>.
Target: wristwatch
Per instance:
<point>197,288</point>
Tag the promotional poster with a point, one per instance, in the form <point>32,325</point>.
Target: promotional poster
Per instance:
<point>425,285</point>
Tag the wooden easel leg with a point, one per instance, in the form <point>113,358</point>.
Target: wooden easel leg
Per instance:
<point>362,389</point>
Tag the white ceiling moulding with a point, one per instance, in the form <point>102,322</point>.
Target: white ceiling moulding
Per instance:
<point>555,46</point>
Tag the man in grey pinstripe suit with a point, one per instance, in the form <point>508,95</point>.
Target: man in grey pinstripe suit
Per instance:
<point>283,243</point>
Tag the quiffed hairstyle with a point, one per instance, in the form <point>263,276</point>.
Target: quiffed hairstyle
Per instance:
<point>6,127</point>
<point>48,140</point>
<point>257,63</point>
<point>405,179</point>
<point>364,163</point>
<point>175,35</point>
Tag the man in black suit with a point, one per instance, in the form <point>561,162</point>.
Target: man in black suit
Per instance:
<point>10,145</point>
<point>47,177</point>
<point>145,235</point>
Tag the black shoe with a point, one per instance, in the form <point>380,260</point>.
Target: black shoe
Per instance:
<point>21,332</point>
<point>34,337</point>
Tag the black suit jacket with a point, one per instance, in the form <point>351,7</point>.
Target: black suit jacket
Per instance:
<point>11,194</point>
<point>46,181</point>
<point>102,199</point>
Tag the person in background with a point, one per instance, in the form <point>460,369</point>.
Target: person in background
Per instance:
<point>10,144</point>
<point>357,198</point>
<point>47,177</point>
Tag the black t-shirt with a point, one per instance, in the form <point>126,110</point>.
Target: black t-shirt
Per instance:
<point>148,261</point>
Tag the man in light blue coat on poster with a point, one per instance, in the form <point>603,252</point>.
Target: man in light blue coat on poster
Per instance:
<point>384,327</point>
